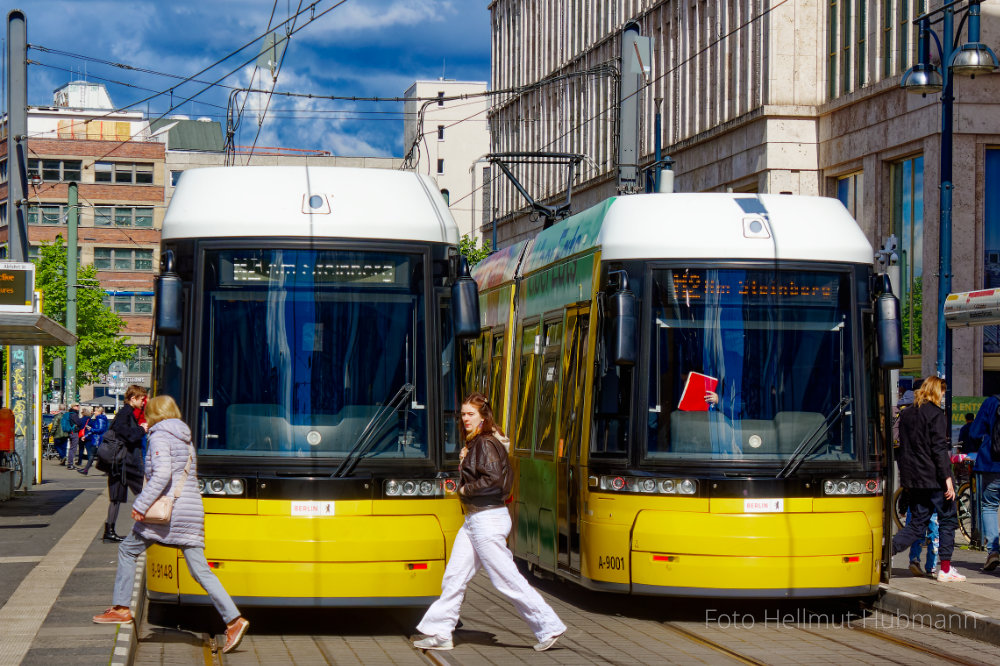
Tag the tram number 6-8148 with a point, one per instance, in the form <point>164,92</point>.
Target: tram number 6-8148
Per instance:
<point>612,562</point>
<point>162,570</point>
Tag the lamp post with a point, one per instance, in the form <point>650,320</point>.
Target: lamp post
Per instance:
<point>969,59</point>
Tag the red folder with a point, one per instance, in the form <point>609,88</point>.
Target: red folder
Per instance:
<point>695,388</point>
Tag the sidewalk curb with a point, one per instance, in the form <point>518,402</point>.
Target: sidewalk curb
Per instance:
<point>939,615</point>
<point>126,638</point>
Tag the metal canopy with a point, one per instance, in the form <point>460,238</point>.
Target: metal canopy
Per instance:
<point>31,329</point>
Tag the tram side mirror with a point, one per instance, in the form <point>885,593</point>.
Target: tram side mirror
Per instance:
<point>465,303</point>
<point>888,329</point>
<point>622,310</point>
<point>169,292</point>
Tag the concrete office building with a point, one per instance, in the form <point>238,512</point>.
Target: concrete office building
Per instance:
<point>799,96</point>
<point>448,138</point>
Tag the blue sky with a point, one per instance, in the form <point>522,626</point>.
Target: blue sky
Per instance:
<point>368,48</point>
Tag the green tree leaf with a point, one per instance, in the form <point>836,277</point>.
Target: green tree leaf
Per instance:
<point>472,252</point>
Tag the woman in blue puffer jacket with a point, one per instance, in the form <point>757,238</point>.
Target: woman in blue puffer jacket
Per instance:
<point>168,454</point>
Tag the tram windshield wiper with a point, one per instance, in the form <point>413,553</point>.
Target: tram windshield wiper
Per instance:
<point>374,427</point>
<point>809,443</point>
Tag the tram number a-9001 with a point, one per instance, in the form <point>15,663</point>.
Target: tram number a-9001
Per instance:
<point>162,570</point>
<point>612,562</point>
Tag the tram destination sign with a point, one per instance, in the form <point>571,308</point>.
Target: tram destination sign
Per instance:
<point>17,286</point>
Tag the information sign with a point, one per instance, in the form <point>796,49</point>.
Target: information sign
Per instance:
<point>17,284</point>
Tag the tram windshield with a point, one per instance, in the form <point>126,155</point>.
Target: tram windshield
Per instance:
<point>751,365</point>
<point>306,354</point>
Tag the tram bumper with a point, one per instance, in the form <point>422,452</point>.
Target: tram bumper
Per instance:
<point>279,560</point>
<point>754,555</point>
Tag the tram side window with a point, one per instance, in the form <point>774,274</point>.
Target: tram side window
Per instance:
<point>613,401</point>
<point>483,366</point>
<point>549,398</point>
<point>573,359</point>
<point>496,376</point>
<point>527,384</point>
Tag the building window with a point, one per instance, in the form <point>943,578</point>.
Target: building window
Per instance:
<point>887,39</point>
<point>50,214</point>
<point>850,191</point>
<point>991,239</point>
<point>129,303</point>
<point>142,362</point>
<point>3,214</point>
<point>440,98</point>
<point>123,172</point>
<point>122,259</point>
<point>908,225</point>
<point>104,216</point>
<point>3,170</point>
<point>861,43</point>
<point>447,197</point>
<point>54,171</point>
<point>175,177</point>
<point>33,253</point>
<point>440,132</point>
<point>440,166</point>
<point>832,24</point>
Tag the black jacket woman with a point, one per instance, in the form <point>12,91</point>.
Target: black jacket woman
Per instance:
<point>129,475</point>
<point>925,472</point>
<point>482,540</point>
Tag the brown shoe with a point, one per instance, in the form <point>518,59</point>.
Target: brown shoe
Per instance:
<point>114,615</point>
<point>235,633</point>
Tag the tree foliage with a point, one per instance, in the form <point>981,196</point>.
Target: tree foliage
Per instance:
<point>472,251</point>
<point>97,327</point>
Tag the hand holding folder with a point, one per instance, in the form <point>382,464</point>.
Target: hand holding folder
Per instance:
<point>695,388</point>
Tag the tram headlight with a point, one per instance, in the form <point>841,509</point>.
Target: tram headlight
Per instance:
<point>688,487</point>
<point>647,485</point>
<point>201,486</point>
<point>617,483</point>
<point>419,487</point>
<point>667,486</point>
<point>426,488</point>
<point>234,487</point>
<point>409,487</point>
<point>216,486</point>
<point>392,487</point>
<point>855,487</point>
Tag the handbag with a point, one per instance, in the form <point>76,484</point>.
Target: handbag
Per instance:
<point>159,511</point>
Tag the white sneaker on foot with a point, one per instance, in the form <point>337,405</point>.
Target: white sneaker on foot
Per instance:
<point>951,577</point>
<point>434,643</point>
<point>542,646</point>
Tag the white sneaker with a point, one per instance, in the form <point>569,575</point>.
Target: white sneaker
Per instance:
<point>951,577</point>
<point>434,643</point>
<point>542,646</point>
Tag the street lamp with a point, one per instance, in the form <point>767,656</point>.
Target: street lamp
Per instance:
<point>969,59</point>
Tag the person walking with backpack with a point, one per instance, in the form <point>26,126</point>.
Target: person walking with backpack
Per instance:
<point>925,472</point>
<point>171,467</point>
<point>986,426</point>
<point>96,427</point>
<point>60,436</point>
<point>71,423</point>
<point>128,474</point>
<point>484,486</point>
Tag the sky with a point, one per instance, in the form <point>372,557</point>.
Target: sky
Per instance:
<point>364,48</point>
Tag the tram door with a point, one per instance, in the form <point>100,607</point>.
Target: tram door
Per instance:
<point>571,414</point>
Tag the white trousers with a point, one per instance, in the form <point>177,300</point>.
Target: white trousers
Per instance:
<point>482,542</point>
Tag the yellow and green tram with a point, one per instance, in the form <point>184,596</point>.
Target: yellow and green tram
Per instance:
<point>774,485</point>
<point>305,325</point>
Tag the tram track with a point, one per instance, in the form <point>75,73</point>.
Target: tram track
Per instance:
<point>211,651</point>
<point>712,645</point>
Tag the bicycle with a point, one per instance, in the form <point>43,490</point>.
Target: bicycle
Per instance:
<point>962,471</point>
<point>10,460</point>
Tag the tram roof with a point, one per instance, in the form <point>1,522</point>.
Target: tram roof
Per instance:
<point>707,226</point>
<point>282,201</point>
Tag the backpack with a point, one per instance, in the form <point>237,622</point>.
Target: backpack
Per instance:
<point>111,453</point>
<point>67,423</point>
<point>995,436</point>
<point>58,432</point>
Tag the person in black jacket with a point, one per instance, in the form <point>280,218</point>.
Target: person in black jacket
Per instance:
<point>925,472</point>
<point>484,486</point>
<point>129,475</point>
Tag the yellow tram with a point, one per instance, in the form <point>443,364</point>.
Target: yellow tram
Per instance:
<point>306,323</point>
<point>601,341</point>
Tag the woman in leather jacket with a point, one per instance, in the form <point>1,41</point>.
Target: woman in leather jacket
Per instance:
<point>484,486</point>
